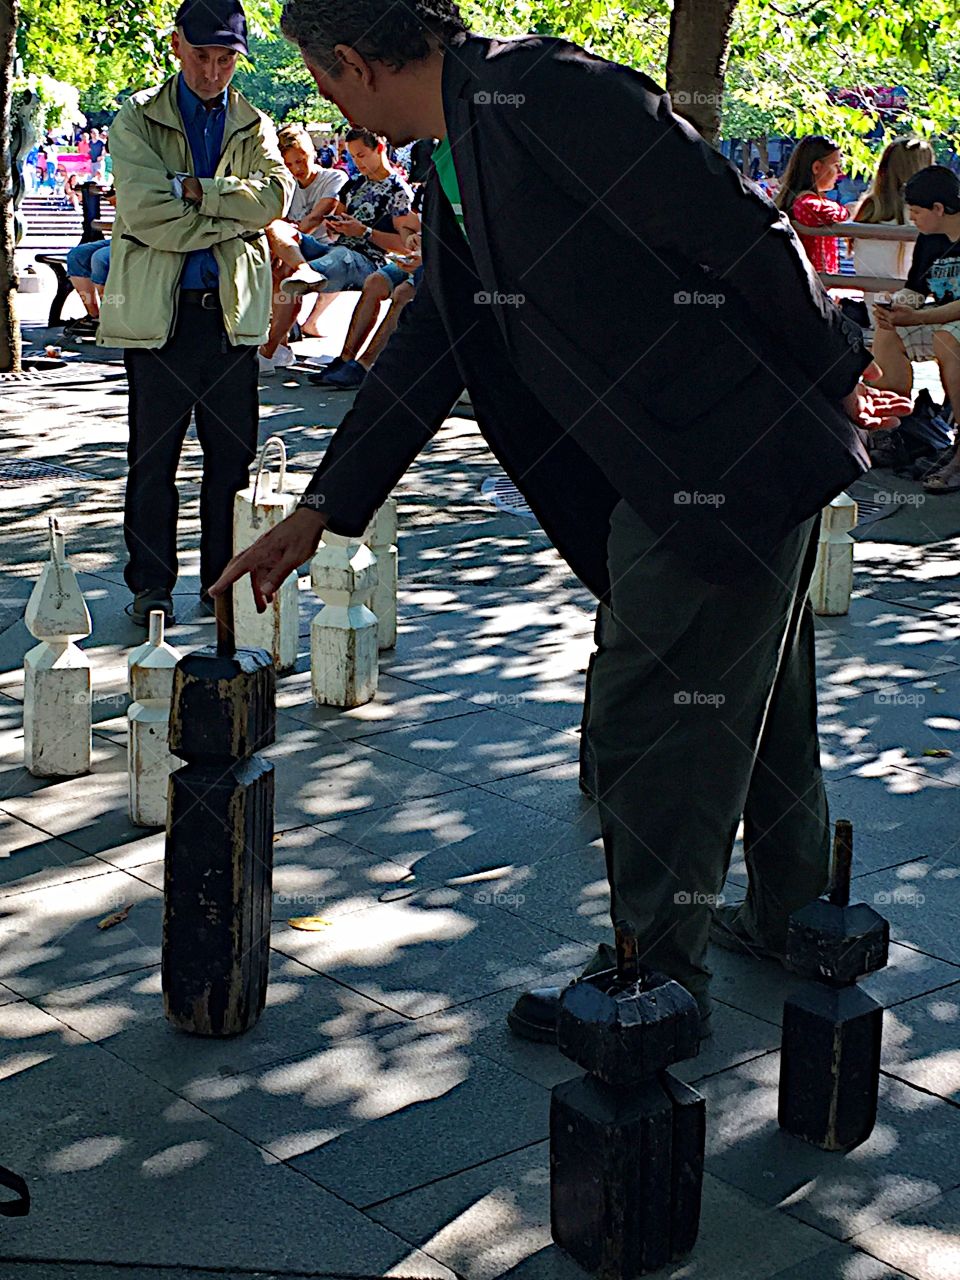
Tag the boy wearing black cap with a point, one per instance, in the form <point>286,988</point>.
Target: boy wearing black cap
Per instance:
<point>913,329</point>
<point>199,177</point>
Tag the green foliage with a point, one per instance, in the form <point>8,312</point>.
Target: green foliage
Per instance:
<point>276,81</point>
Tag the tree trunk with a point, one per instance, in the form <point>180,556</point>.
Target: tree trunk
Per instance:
<point>763,151</point>
<point>9,327</point>
<point>697,61</point>
<point>746,157</point>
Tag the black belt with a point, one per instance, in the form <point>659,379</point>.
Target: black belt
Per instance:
<point>209,299</point>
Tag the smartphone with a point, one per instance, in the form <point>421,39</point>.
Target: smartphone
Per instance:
<point>885,303</point>
<point>402,259</point>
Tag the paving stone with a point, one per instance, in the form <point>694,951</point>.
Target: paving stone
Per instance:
<point>921,1042</point>
<point>304,1011</point>
<point>908,1159</point>
<point>494,1220</point>
<point>490,1112</point>
<point>441,949</point>
<point>478,748</point>
<point>468,835</point>
<point>922,902</point>
<point>897,723</point>
<point>31,858</point>
<point>840,1262</point>
<point>322,779</point>
<point>555,791</point>
<point>543,687</point>
<point>925,1240</point>
<point>760,986</point>
<point>123,1158</point>
<point>50,937</point>
<point>89,812</point>
<point>397,703</point>
<point>898,815</point>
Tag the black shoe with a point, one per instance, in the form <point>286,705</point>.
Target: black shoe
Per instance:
<point>144,603</point>
<point>534,1016</point>
<point>726,932</point>
<point>318,378</point>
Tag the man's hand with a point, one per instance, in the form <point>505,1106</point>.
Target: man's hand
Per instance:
<point>274,556</point>
<point>192,190</point>
<point>896,317</point>
<point>344,225</point>
<point>872,409</point>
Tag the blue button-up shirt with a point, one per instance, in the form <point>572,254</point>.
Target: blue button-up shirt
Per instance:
<point>204,128</point>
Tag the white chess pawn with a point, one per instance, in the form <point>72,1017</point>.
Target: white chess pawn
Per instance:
<point>255,511</point>
<point>57,718</point>
<point>381,538</point>
<point>832,583</point>
<point>150,670</point>
<point>344,664</point>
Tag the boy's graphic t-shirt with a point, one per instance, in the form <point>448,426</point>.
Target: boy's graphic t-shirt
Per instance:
<point>936,269</point>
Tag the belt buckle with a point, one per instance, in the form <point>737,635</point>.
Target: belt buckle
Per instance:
<point>210,301</point>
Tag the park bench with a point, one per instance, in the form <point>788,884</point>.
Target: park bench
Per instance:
<point>861,231</point>
<point>95,227</point>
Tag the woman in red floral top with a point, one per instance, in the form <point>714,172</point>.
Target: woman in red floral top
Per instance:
<point>814,167</point>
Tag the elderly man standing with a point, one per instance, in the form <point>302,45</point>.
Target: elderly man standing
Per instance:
<point>198,177</point>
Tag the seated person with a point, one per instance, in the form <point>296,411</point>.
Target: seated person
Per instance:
<point>313,198</point>
<point>87,267</point>
<point>367,219</point>
<point>814,168</point>
<point>397,280</point>
<point>910,329</point>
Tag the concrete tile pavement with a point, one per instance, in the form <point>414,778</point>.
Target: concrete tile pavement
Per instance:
<point>380,1120</point>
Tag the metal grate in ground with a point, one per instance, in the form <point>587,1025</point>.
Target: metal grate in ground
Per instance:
<point>503,493</point>
<point>30,471</point>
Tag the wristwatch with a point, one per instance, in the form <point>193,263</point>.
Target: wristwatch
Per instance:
<point>367,233</point>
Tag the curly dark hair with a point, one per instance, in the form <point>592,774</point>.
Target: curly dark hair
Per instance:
<point>379,30</point>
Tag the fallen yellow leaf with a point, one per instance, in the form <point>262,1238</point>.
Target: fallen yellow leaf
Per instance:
<point>938,753</point>
<point>310,923</point>
<point>118,917</point>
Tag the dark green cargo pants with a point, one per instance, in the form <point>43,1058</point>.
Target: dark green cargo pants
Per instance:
<point>702,710</point>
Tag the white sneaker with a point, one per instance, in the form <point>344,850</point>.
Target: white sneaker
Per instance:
<point>305,279</point>
<point>283,358</point>
<point>267,367</point>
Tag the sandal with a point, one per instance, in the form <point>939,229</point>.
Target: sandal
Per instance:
<point>937,482</point>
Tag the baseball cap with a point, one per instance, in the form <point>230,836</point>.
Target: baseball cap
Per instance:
<point>934,185</point>
<point>220,22</point>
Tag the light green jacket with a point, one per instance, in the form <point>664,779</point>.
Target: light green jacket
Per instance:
<point>154,231</point>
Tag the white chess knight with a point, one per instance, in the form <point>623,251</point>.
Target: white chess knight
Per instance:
<point>255,511</point>
<point>832,583</point>
<point>344,663</point>
<point>57,717</point>
<point>150,669</point>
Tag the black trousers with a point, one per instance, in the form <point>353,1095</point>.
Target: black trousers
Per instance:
<point>197,371</point>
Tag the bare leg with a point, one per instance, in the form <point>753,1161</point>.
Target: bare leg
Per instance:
<point>309,326</point>
<point>402,294</point>
<point>88,295</point>
<point>890,354</point>
<point>946,349</point>
<point>376,289</point>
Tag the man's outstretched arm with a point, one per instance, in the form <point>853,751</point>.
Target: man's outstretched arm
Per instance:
<point>401,405</point>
